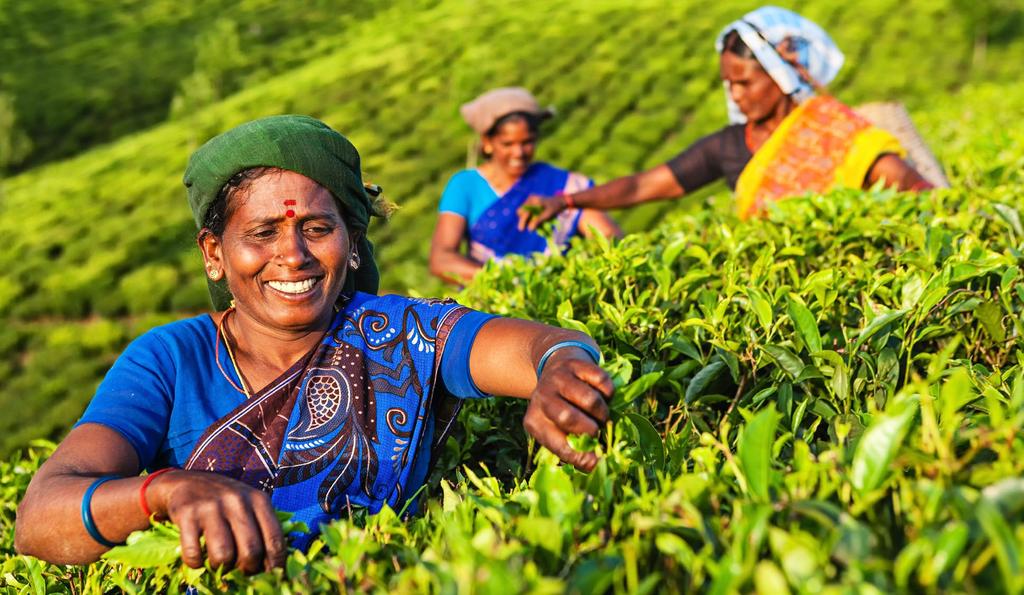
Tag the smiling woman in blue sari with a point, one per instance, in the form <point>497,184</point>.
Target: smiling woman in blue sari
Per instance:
<point>479,205</point>
<point>305,391</point>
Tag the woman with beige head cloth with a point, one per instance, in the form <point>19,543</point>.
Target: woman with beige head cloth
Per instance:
<point>479,205</point>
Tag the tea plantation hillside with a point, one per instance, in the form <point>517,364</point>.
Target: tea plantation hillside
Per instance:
<point>827,400</point>
<point>73,76</point>
<point>99,247</point>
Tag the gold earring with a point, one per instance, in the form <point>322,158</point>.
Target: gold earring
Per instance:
<point>214,274</point>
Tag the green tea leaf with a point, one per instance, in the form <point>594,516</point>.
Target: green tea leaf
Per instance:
<point>769,579</point>
<point>840,382</point>
<point>1002,538</point>
<point>877,448</point>
<point>147,549</point>
<point>683,345</point>
<point>786,359</point>
<point>948,548</point>
<point>702,379</point>
<point>557,497</point>
<point>1011,217</point>
<point>755,452</point>
<point>566,320</point>
<point>672,250</point>
<point>762,307</point>
<point>991,317</point>
<point>650,442</point>
<point>1007,494</point>
<point>627,394</point>
<point>543,531</point>
<point>797,557</point>
<point>805,324</point>
<point>876,324</point>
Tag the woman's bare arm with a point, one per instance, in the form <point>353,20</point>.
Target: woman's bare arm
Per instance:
<point>49,524</point>
<point>571,395</point>
<point>897,173</point>
<point>592,221</point>
<point>658,183</point>
<point>445,260</point>
<point>238,522</point>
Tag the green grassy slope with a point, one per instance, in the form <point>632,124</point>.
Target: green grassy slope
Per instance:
<point>83,72</point>
<point>100,246</point>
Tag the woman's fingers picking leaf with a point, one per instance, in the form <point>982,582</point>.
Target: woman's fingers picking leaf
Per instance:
<point>544,430</point>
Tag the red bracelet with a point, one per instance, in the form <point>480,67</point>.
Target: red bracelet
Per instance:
<point>567,199</point>
<point>145,484</point>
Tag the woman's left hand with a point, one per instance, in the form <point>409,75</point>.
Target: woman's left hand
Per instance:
<point>570,398</point>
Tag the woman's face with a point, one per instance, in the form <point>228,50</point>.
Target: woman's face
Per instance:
<point>757,94</point>
<point>284,251</point>
<point>512,147</point>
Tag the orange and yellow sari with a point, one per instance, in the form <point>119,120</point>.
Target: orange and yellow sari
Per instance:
<point>821,145</point>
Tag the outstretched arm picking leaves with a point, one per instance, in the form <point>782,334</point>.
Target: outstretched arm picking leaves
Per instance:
<point>657,183</point>
<point>569,396</point>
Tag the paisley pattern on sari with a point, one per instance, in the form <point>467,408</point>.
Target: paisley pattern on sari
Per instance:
<point>341,427</point>
<point>496,233</point>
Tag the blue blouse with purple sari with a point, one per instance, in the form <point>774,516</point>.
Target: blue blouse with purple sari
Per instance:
<point>492,223</point>
<point>354,423</point>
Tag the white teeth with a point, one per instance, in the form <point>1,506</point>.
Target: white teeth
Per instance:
<point>293,287</point>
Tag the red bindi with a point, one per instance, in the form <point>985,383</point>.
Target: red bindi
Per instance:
<point>289,212</point>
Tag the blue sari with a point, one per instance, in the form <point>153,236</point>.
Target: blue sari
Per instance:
<point>343,427</point>
<point>496,234</point>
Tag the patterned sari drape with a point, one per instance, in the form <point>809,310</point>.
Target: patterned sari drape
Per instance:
<point>496,234</point>
<point>343,427</point>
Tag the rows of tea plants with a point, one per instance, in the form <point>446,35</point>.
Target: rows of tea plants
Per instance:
<point>103,240</point>
<point>830,399</point>
<point>106,92</point>
<point>74,73</point>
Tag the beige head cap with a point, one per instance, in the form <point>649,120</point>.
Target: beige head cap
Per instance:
<point>484,111</point>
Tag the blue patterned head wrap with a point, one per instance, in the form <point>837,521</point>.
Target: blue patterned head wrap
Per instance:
<point>769,26</point>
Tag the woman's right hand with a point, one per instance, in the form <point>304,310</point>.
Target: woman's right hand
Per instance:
<point>238,522</point>
<point>571,397</point>
<point>538,209</point>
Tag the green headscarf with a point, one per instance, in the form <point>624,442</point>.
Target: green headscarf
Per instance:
<point>296,143</point>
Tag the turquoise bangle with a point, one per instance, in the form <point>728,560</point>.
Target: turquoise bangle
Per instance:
<point>591,351</point>
<point>87,520</point>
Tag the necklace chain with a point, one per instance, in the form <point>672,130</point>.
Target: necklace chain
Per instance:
<point>222,336</point>
<point>244,389</point>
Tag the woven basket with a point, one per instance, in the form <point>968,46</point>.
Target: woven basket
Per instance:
<point>893,117</point>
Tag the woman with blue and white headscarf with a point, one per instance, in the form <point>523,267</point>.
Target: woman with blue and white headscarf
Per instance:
<point>786,136</point>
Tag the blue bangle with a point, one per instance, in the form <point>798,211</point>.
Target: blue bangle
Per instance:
<point>87,520</point>
<point>591,351</point>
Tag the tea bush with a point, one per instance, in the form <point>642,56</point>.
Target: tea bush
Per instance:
<point>830,398</point>
<point>106,232</point>
<point>827,399</point>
